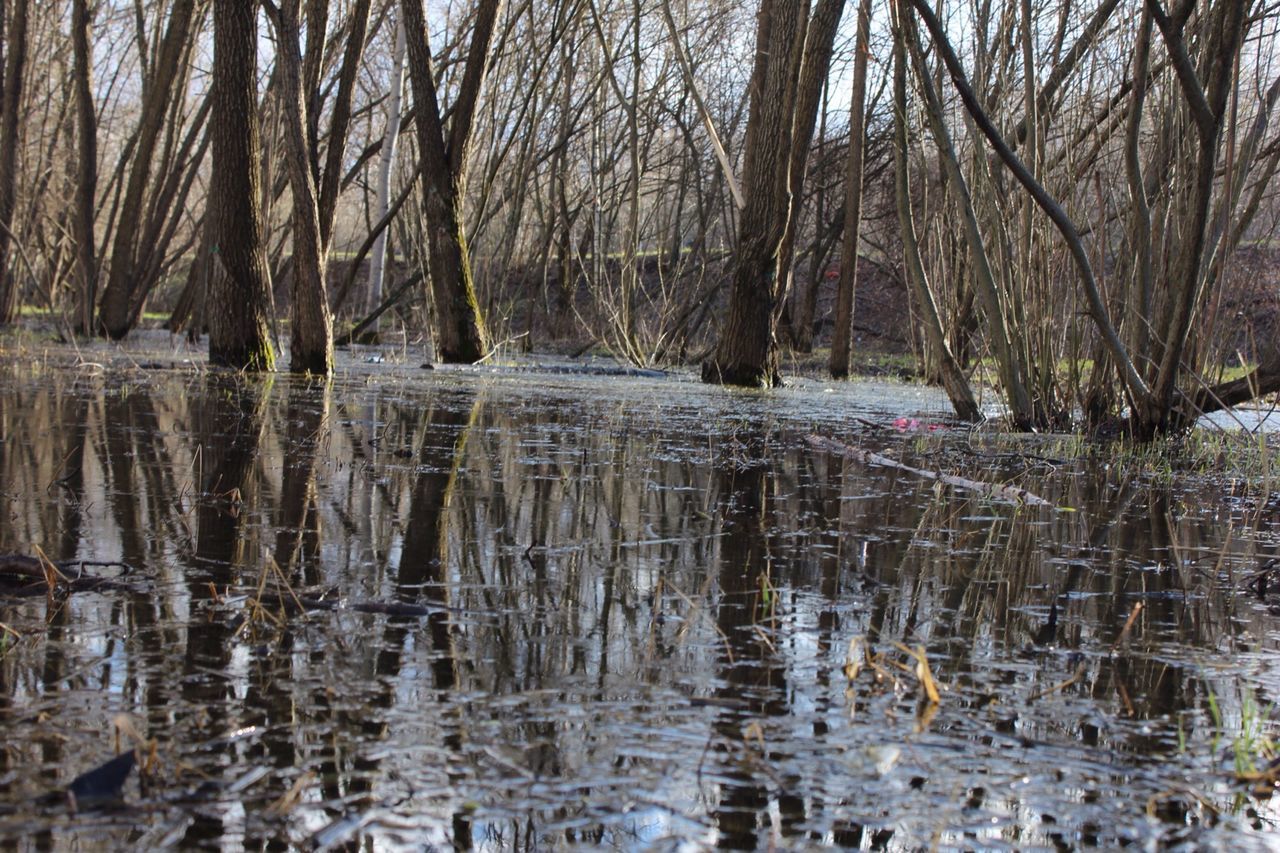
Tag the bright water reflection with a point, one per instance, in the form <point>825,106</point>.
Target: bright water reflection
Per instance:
<point>555,610</point>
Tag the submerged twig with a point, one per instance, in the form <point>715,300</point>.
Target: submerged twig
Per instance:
<point>293,796</point>
<point>1061,685</point>
<point>1128,625</point>
<point>23,575</point>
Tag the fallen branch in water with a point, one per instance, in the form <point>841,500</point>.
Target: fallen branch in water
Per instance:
<point>866,457</point>
<point>292,605</point>
<point>23,575</point>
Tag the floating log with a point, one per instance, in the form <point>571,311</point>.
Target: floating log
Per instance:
<point>866,457</point>
<point>23,575</point>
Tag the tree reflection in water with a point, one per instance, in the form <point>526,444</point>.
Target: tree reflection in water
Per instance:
<point>621,620</point>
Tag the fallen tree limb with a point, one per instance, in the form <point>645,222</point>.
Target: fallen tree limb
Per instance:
<point>291,605</point>
<point>866,457</point>
<point>23,575</point>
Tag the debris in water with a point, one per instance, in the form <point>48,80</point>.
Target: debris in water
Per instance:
<point>103,783</point>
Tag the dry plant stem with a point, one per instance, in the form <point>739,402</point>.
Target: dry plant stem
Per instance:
<point>293,796</point>
<point>1061,685</point>
<point>922,672</point>
<point>52,576</point>
<point>1128,626</point>
<point>696,609</point>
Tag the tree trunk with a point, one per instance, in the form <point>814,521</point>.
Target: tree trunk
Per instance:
<point>86,166</point>
<point>997,306</point>
<point>460,335</point>
<point>378,255</point>
<point>10,109</point>
<point>238,306</point>
<point>330,180</point>
<point>818,43</point>
<point>1226,25</point>
<point>847,288</point>
<point>310,326</point>
<point>120,293</point>
<point>953,378</point>
<point>747,351</point>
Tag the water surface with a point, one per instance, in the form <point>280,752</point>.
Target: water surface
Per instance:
<point>547,609</point>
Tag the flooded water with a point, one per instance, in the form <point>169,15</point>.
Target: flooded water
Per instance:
<point>520,608</point>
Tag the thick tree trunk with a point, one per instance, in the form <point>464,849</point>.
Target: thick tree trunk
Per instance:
<point>115,314</point>
<point>239,302</point>
<point>747,351</point>
<point>10,108</point>
<point>86,166</point>
<point>843,330</point>
<point>460,335</point>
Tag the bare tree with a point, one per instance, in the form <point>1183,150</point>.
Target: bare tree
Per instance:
<point>747,350</point>
<point>239,302</point>
<point>86,166</point>
<point>843,322</point>
<point>10,132</point>
<point>390,140</point>
<point>953,379</point>
<point>459,325</point>
<point>311,327</point>
<point>127,284</point>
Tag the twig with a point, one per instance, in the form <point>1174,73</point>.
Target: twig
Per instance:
<point>1061,685</point>
<point>1124,632</point>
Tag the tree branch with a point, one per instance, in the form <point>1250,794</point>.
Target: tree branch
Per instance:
<point>1137,388</point>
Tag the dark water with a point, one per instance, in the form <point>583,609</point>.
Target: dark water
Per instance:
<point>611,611</point>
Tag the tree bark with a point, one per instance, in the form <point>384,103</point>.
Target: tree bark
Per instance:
<point>10,131</point>
<point>815,65</point>
<point>847,288</point>
<point>460,335</point>
<point>747,351</point>
<point>238,306</point>
<point>310,326</point>
<point>123,282</point>
<point>86,166</point>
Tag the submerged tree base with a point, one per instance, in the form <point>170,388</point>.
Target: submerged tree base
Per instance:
<point>257,358</point>
<point>741,375</point>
